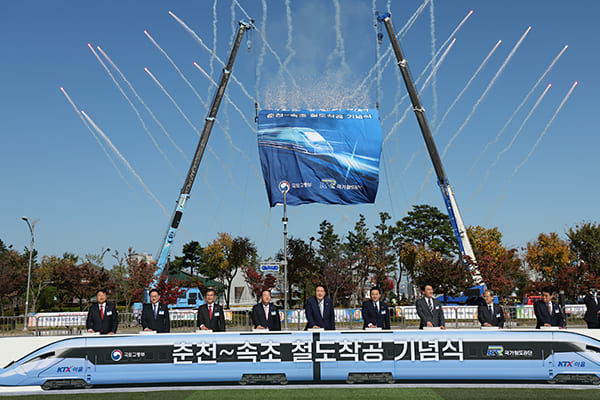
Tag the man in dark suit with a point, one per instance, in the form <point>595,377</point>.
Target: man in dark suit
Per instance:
<point>102,317</point>
<point>592,309</point>
<point>547,312</point>
<point>490,314</point>
<point>155,316</point>
<point>266,315</point>
<point>430,310</point>
<point>211,315</point>
<point>319,311</point>
<point>375,312</point>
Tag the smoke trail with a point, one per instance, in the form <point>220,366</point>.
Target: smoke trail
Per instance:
<point>485,92</point>
<point>487,89</point>
<point>339,50</point>
<point>401,33</point>
<point>205,103</point>
<point>211,80</point>
<point>518,108</point>
<point>430,63</point>
<point>562,103</point>
<point>139,200</point>
<point>514,138</point>
<point>406,111</point>
<point>191,124</point>
<point>211,64</point>
<point>487,58</point>
<point>433,58</point>
<point>288,44</point>
<point>267,45</point>
<point>211,52</point>
<point>154,142</point>
<point>118,153</point>
<point>164,53</point>
<point>101,144</point>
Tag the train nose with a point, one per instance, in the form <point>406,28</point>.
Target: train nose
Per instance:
<point>12,376</point>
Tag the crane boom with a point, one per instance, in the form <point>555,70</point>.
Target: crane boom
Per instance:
<point>191,175</point>
<point>458,226</point>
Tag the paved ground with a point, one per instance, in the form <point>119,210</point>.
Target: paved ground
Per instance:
<point>36,390</point>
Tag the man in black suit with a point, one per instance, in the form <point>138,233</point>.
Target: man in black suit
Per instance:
<point>319,311</point>
<point>266,315</point>
<point>592,309</point>
<point>375,312</point>
<point>155,316</point>
<point>547,312</point>
<point>430,310</point>
<point>490,314</point>
<point>102,317</point>
<point>211,315</point>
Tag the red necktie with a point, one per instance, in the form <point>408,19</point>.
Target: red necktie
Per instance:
<point>210,311</point>
<point>102,311</point>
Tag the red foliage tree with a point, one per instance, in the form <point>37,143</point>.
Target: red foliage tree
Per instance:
<point>170,289</point>
<point>502,273</point>
<point>258,281</point>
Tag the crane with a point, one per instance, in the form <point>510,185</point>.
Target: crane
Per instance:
<point>209,121</point>
<point>460,232</point>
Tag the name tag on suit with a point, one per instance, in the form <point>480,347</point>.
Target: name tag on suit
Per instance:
<point>498,315</point>
<point>437,307</point>
<point>109,313</point>
<point>382,312</point>
<point>161,313</point>
<point>556,311</point>
<point>273,312</point>
<point>216,314</point>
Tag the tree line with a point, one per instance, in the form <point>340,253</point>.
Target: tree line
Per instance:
<point>420,248</point>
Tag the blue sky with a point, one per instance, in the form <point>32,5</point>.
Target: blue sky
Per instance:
<point>55,170</point>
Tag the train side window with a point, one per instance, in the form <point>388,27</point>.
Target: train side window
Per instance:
<point>41,357</point>
<point>592,348</point>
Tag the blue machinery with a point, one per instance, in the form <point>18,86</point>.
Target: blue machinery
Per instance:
<point>457,224</point>
<point>329,356</point>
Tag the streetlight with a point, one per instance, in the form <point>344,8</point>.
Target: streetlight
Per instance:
<point>31,226</point>
<point>104,251</point>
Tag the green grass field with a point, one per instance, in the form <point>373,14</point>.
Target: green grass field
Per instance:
<point>342,394</point>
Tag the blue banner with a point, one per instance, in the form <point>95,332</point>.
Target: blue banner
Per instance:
<point>316,156</point>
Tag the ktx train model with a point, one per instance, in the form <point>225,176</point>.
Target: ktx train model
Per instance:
<point>351,356</point>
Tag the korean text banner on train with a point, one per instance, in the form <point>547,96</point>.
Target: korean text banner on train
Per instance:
<point>317,156</point>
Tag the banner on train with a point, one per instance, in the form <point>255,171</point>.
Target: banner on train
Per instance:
<point>314,156</point>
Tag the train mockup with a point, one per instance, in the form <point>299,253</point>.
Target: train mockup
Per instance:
<point>326,356</point>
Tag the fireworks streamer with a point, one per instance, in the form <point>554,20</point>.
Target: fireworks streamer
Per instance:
<point>401,33</point>
<point>425,84</point>
<point>518,108</point>
<point>112,161</point>
<point>562,103</point>
<point>211,52</point>
<point>135,110</point>
<point>339,50</point>
<point>211,63</point>
<point>485,92</point>
<point>429,64</point>
<point>191,124</point>
<point>487,89</point>
<point>288,44</point>
<point>433,58</point>
<point>268,46</point>
<point>129,167</point>
<point>514,138</point>
<point>487,58</point>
